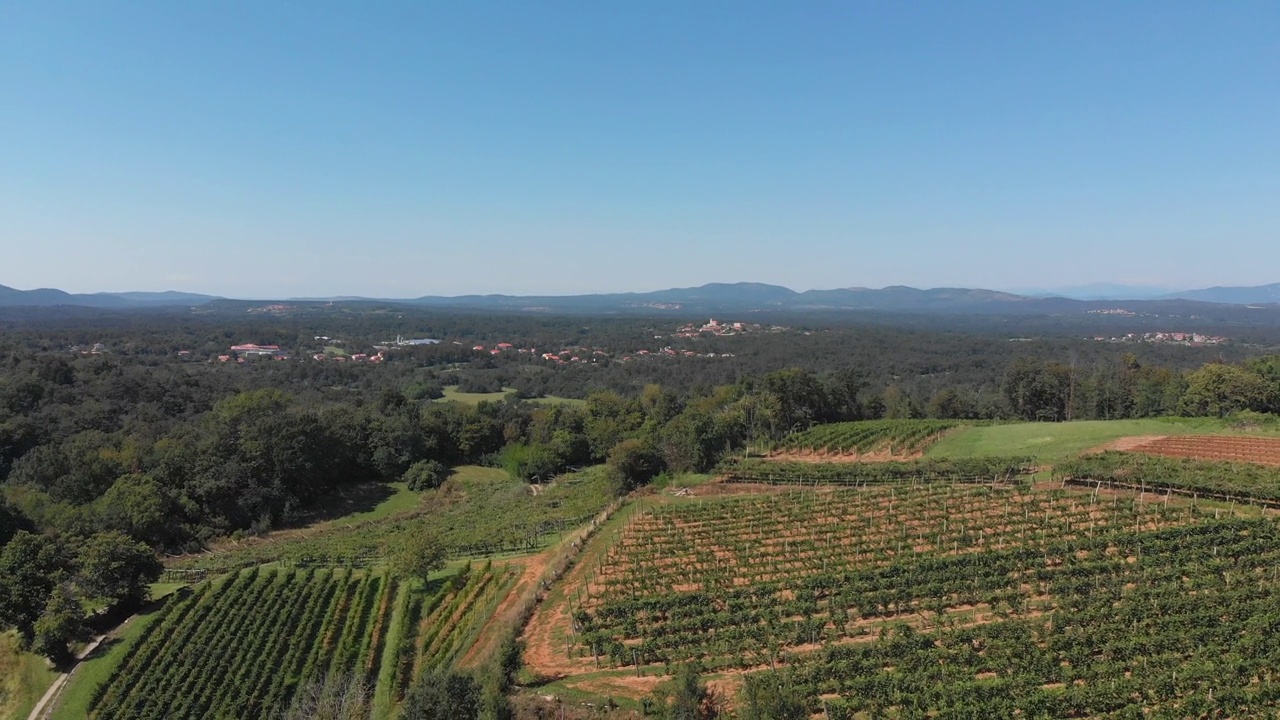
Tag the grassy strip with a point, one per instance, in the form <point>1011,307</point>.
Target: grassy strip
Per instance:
<point>388,660</point>
<point>24,678</point>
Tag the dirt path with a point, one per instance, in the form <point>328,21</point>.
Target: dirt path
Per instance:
<point>47,702</point>
<point>545,655</point>
<point>534,566</point>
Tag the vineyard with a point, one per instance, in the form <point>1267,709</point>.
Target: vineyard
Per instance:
<point>894,437</point>
<point>241,645</point>
<point>950,599</point>
<point>1258,450</point>
<point>479,512</point>
<point>777,472</point>
<point>1238,481</point>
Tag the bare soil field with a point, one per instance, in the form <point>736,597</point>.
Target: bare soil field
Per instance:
<point>1257,450</point>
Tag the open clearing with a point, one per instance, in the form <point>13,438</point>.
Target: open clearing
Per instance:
<point>451,393</point>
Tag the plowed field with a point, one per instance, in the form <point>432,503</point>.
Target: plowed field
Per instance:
<point>1258,450</point>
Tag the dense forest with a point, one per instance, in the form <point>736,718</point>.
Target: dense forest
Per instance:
<point>126,434</point>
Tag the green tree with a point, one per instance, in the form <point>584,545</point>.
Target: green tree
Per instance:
<point>633,463</point>
<point>30,567</point>
<point>417,552</point>
<point>686,697</point>
<point>442,696</point>
<point>426,474</point>
<point>692,441</point>
<point>60,624</point>
<point>898,405</point>
<point>138,506</point>
<point>1218,390</point>
<point>801,399</point>
<point>948,403</point>
<point>766,696</point>
<point>115,567</point>
<point>1036,390</point>
<point>611,418</point>
<point>1268,368</point>
<point>11,521</point>
<point>531,463</point>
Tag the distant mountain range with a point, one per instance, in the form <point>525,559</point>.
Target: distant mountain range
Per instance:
<point>1255,295</point>
<point>46,297</point>
<point>713,297</point>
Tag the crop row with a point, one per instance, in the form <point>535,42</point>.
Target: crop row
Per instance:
<point>1187,631</point>
<point>898,436</point>
<point>728,543</point>
<point>1073,605</point>
<point>767,546</point>
<point>445,623</point>
<point>1231,480</point>
<point>240,646</point>
<point>776,472</point>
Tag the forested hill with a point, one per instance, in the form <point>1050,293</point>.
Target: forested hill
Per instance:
<point>1221,303</point>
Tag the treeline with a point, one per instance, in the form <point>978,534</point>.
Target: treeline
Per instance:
<point>1051,391</point>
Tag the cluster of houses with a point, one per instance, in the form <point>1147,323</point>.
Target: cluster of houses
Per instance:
<point>1166,338</point>
<point>713,327</point>
<point>589,355</point>
<point>578,354</point>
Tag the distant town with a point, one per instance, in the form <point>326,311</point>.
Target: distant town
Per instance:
<point>331,349</point>
<point>1166,338</point>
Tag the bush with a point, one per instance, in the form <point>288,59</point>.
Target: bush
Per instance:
<point>531,463</point>
<point>633,463</point>
<point>426,475</point>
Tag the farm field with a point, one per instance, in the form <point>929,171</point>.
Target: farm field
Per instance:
<point>1234,481</point>
<point>1051,442</point>
<point>451,393</point>
<point>776,472</point>
<point>263,633</point>
<point>903,601</point>
<point>875,438</point>
<point>1257,450</point>
<point>478,511</point>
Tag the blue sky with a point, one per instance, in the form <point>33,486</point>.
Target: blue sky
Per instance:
<point>272,149</point>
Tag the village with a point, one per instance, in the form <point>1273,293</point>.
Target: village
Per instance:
<point>1189,339</point>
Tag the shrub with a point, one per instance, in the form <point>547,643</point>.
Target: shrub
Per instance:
<point>426,474</point>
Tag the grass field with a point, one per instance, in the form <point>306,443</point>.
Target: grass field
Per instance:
<point>1050,442</point>
<point>23,678</point>
<point>451,393</point>
<point>401,499</point>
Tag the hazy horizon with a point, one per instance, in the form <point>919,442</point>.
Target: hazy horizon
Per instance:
<point>1093,290</point>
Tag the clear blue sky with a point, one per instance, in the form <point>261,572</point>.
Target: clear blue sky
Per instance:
<point>399,149</point>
